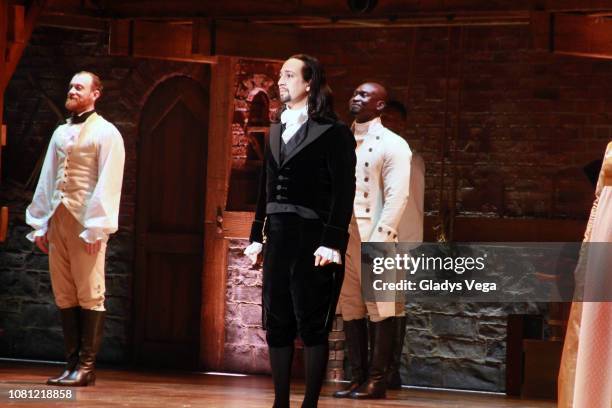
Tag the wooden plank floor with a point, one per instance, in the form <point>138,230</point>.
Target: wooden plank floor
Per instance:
<point>151,389</point>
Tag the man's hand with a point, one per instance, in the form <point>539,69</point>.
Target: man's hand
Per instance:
<point>325,256</point>
<point>42,242</point>
<point>93,249</point>
<point>320,261</point>
<point>254,252</point>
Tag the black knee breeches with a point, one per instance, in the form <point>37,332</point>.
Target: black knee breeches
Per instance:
<point>298,297</point>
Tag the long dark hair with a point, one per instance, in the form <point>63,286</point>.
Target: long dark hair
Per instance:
<point>320,101</point>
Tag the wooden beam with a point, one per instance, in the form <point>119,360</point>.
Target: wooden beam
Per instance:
<point>4,11</point>
<point>4,220</point>
<point>82,23</point>
<point>559,6</point>
<point>247,9</point>
<point>237,224</point>
<point>120,38</point>
<point>16,49</point>
<point>201,40</point>
<point>201,37</point>
<point>582,36</point>
<point>572,34</point>
<point>541,35</point>
<point>16,24</point>
<point>217,183</point>
<point>169,40</point>
<point>234,38</point>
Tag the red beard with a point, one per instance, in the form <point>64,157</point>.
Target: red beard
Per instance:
<point>75,105</point>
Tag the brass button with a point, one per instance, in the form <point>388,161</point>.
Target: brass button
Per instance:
<point>365,194</point>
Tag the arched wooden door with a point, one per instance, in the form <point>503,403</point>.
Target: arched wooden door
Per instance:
<point>170,224</point>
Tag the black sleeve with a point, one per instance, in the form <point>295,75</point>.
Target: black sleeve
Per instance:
<point>341,161</point>
<point>260,211</point>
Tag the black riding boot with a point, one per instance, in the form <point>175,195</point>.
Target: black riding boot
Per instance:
<point>356,334</point>
<point>376,384</point>
<point>394,380</point>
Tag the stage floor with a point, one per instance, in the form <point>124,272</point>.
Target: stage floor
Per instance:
<point>151,389</point>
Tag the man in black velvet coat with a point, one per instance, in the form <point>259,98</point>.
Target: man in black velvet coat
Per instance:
<point>303,212</point>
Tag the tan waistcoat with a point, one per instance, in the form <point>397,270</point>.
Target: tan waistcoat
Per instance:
<point>77,173</point>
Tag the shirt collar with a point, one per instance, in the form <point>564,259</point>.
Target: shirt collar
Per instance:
<point>362,129</point>
<point>294,116</point>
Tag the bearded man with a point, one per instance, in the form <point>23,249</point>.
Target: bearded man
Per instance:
<point>74,209</point>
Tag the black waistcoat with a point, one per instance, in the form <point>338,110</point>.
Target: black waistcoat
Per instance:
<point>287,148</point>
<point>317,172</point>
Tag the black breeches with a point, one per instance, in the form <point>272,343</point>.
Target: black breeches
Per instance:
<point>298,297</point>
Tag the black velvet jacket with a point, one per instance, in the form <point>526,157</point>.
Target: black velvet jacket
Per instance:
<point>318,174</point>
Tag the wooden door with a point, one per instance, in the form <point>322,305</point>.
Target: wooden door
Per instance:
<point>170,224</point>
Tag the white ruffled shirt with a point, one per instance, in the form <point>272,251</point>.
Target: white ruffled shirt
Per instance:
<point>293,119</point>
<point>98,220</point>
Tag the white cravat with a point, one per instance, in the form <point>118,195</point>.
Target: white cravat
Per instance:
<point>293,119</point>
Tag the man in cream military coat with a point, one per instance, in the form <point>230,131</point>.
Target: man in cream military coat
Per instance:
<point>383,175</point>
<point>411,224</point>
<point>74,209</point>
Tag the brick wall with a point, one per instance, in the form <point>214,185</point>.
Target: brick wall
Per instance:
<point>520,124</point>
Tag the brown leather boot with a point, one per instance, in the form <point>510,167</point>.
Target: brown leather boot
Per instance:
<point>376,385</point>
<point>356,333</point>
<point>394,380</point>
<point>72,339</point>
<point>92,325</point>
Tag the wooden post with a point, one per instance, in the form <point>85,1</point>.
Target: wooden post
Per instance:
<point>214,276</point>
<point>16,27</point>
<point>3,82</point>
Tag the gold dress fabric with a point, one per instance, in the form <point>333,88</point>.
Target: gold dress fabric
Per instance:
<point>585,377</point>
